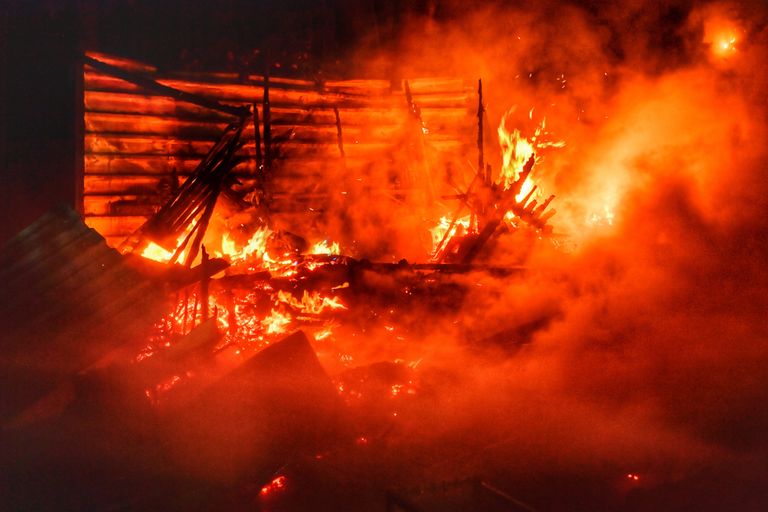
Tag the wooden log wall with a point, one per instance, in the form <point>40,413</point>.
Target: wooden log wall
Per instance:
<point>140,145</point>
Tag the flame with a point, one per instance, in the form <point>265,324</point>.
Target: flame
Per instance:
<point>516,150</point>
<point>276,322</point>
<point>277,484</point>
<point>255,246</point>
<point>722,34</point>
<point>157,253</point>
<point>313,304</point>
<point>322,247</point>
<point>444,230</point>
<point>324,333</point>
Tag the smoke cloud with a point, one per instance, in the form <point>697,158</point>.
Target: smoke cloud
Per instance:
<point>638,344</point>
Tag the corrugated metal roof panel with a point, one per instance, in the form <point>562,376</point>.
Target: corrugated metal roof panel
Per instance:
<point>66,301</point>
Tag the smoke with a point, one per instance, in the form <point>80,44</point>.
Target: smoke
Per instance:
<point>649,342</point>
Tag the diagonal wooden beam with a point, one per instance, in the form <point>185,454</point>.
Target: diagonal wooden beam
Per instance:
<point>164,90</point>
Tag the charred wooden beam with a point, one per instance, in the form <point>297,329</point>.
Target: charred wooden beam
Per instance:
<point>204,281</point>
<point>163,90</point>
<point>257,139</point>
<point>267,125</point>
<point>339,136</point>
<point>480,114</point>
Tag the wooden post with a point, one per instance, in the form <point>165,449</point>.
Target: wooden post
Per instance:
<point>480,112</point>
<point>267,125</point>
<point>257,138</point>
<point>204,286</point>
<point>339,138</point>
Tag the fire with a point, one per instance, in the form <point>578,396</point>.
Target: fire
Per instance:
<point>517,150</point>
<point>255,246</point>
<point>276,322</point>
<point>323,247</point>
<point>722,34</point>
<point>155,252</point>
<point>277,484</point>
<point>445,231</point>
<point>313,304</point>
<point>324,333</point>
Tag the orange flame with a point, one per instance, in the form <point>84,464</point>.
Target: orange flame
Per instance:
<point>313,304</point>
<point>323,247</point>
<point>516,150</point>
<point>255,246</point>
<point>277,484</point>
<point>276,322</point>
<point>157,253</point>
<point>722,34</point>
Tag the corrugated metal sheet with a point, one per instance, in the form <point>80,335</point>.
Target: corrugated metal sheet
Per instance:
<point>140,144</point>
<point>66,301</point>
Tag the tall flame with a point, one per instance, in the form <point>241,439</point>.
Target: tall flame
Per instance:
<point>516,150</point>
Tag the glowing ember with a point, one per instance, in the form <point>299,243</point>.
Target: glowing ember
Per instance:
<point>277,484</point>
<point>324,333</point>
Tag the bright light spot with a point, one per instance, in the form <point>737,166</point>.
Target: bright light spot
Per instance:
<point>324,247</point>
<point>276,322</point>
<point>277,484</point>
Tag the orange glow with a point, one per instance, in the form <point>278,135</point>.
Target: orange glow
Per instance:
<point>323,247</point>
<point>255,246</point>
<point>517,150</point>
<point>723,35</point>
<point>445,231</point>
<point>157,253</point>
<point>602,218</point>
<point>313,303</point>
<point>276,322</point>
<point>324,333</point>
<point>277,484</point>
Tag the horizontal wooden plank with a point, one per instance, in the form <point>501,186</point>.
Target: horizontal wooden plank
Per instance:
<point>133,124</point>
<point>237,93</point>
<point>122,145</point>
<point>160,165</point>
<point>142,104</point>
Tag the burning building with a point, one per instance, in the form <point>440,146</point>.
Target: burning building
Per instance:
<point>423,257</point>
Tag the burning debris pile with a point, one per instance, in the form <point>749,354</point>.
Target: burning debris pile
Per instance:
<point>224,386</point>
<point>319,295</point>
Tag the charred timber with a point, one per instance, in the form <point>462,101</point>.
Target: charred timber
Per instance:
<point>480,113</point>
<point>163,90</point>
